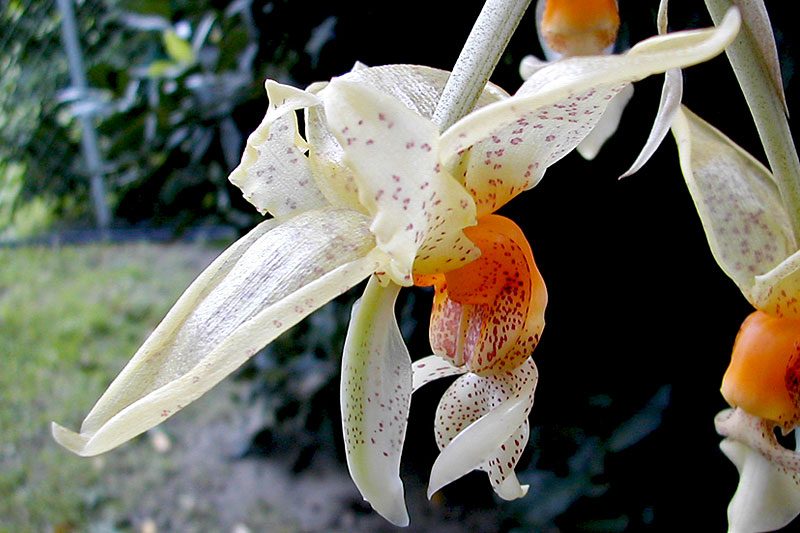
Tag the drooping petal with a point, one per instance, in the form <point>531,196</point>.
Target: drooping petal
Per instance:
<point>668,106</point>
<point>432,368</point>
<point>574,93</point>
<point>768,495</point>
<point>590,146</point>
<point>489,314</point>
<point>671,96</point>
<point>375,397</point>
<point>481,423</point>
<point>256,290</point>
<point>418,210</point>
<point>746,224</point>
<point>275,175</point>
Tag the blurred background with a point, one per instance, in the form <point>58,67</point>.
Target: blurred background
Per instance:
<point>146,106</point>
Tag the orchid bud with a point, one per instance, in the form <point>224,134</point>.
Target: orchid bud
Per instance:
<point>580,27</point>
<point>764,375</point>
<point>489,314</point>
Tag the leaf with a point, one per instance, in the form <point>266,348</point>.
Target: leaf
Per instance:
<point>178,49</point>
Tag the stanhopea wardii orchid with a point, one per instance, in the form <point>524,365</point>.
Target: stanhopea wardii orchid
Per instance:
<point>375,190</point>
<point>751,216</point>
<point>749,231</point>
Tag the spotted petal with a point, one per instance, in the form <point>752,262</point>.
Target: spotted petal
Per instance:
<point>778,291</point>
<point>481,423</point>
<point>768,495</point>
<point>375,397</point>
<point>746,224</point>
<point>274,174</point>
<point>418,210</point>
<point>432,368</point>
<point>518,138</point>
<point>261,286</point>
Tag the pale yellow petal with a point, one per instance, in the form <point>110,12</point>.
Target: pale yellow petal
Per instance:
<point>563,88</point>
<point>777,292</point>
<point>747,227</point>
<point>274,174</point>
<point>375,397</point>
<point>242,302</point>
<point>418,210</point>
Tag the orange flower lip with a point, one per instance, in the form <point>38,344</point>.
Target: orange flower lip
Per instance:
<point>580,27</point>
<point>764,375</point>
<point>489,314</point>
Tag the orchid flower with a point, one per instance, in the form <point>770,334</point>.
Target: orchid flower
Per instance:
<point>750,216</point>
<point>487,318</point>
<point>373,188</point>
<point>749,231</point>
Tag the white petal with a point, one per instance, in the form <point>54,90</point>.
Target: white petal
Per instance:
<point>768,495</point>
<point>607,125</point>
<point>274,174</point>
<point>747,227</point>
<point>431,368</point>
<point>256,290</point>
<point>418,210</point>
<point>671,96</point>
<point>375,397</point>
<point>482,441</point>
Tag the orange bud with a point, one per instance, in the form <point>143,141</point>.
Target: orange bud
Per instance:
<point>764,375</point>
<point>580,27</point>
<point>489,314</point>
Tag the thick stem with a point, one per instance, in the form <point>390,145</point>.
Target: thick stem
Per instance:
<point>767,108</point>
<point>479,57</point>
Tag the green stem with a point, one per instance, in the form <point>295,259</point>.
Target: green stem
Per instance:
<point>485,45</point>
<point>767,108</point>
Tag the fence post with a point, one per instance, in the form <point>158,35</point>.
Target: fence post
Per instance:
<point>89,145</point>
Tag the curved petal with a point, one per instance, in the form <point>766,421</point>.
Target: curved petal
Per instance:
<point>432,368</point>
<point>375,397</point>
<point>768,495</point>
<point>575,89</point>
<point>275,175</point>
<point>607,125</point>
<point>245,299</point>
<point>418,211</point>
<point>481,422</point>
<point>671,96</point>
<point>747,227</point>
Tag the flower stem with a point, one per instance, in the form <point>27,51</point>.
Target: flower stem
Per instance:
<point>479,57</point>
<point>768,110</point>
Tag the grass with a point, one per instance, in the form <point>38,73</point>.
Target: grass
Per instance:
<point>69,320</point>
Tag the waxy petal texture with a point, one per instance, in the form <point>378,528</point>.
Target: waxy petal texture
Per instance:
<point>375,397</point>
<point>489,314</point>
<point>559,105</point>
<point>482,422</point>
<point>777,291</point>
<point>260,287</point>
<point>418,210</point>
<point>432,368</point>
<point>746,224</point>
<point>768,495</point>
<point>275,175</point>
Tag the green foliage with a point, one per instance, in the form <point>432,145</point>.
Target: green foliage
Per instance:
<point>69,319</point>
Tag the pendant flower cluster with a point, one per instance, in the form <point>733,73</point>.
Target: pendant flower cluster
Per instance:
<point>375,190</point>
